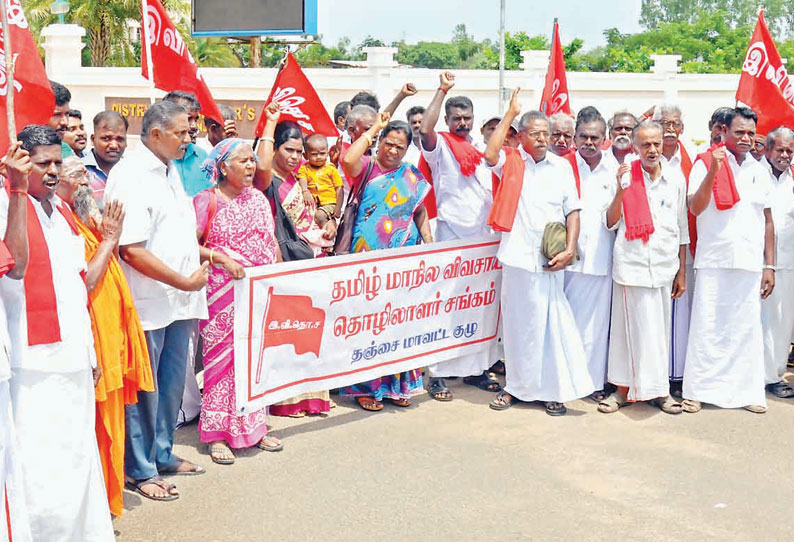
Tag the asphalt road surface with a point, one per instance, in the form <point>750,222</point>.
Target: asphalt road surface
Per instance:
<point>460,471</point>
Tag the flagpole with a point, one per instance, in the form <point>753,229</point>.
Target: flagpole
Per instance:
<point>501,56</point>
<point>148,44</point>
<point>553,34</point>
<point>9,61</point>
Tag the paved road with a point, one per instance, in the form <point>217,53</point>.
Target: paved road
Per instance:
<point>460,471</point>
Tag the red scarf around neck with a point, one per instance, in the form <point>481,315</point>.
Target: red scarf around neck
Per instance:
<point>571,157</point>
<point>636,210</point>
<point>686,168</point>
<point>725,193</point>
<point>507,191</point>
<point>41,306</point>
<point>467,157</point>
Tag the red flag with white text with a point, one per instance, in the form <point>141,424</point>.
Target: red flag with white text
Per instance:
<point>764,85</point>
<point>291,319</point>
<point>34,101</point>
<point>555,92</point>
<point>299,102</point>
<point>173,67</point>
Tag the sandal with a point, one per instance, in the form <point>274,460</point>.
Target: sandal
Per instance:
<point>555,409</point>
<point>269,445</point>
<point>485,382</point>
<point>691,406</point>
<point>755,409</point>
<point>498,367</point>
<point>780,390</point>
<point>438,390</point>
<point>401,402</point>
<point>191,470</point>
<point>220,453</point>
<point>137,487</point>
<point>612,403</point>
<point>503,401</point>
<point>599,395</point>
<point>370,404</point>
<point>668,405</point>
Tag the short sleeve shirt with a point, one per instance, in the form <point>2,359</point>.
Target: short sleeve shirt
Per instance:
<point>194,180</point>
<point>322,182</point>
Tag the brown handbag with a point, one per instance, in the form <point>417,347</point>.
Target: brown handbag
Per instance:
<point>344,233</point>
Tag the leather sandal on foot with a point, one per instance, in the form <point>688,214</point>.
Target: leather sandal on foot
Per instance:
<point>438,390</point>
<point>668,405</point>
<point>691,406</point>
<point>369,403</point>
<point>485,382</point>
<point>191,470</point>
<point>756,409</point>
<point>780,390</point>
<point>269,446</point>
<point>503,401</point>
<point>136,485</point>
<point>400,402</point>
<point>612,403</point>
<point>556,409</point>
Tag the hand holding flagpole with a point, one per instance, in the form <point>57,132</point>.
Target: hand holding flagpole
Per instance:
<point>9,60</point>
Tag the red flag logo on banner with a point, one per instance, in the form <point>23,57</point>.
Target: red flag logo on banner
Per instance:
<point>555,92</point>
<point>764,85</point>
<point>173,67</point>
<point>299,102</point>
<point>291,319</point>
<point>33,101</point>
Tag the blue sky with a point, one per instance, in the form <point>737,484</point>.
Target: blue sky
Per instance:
<point>434,20</point>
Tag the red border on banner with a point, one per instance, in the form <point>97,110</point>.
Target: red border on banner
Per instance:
<point>252,280</point>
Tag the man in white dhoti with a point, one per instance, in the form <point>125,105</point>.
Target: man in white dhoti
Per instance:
<point>588,282</point>
<point>52,356</point>
<point>777,310</point>
<point>649,211</point>
<point>735,266</point>
<point>450,161</point>
<point>544,357</point>
<point>14,522</point>
<point>676,156</point>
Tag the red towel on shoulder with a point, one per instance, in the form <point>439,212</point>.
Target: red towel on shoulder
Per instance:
<point>636,210</point>
<point>467,157</point>
<point>571,157</point>
<point>725,193</point>
<point>507,192</point>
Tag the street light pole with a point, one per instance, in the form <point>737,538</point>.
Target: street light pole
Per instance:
<point>501,56</point>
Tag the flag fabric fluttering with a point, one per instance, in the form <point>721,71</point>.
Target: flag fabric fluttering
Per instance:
<point>173,67</point>
<point>555,91</point>
<point>764,85</point>
<point>34,100</point>
<point>299,102</point>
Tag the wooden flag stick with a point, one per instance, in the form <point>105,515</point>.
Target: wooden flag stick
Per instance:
<point>9,62</point>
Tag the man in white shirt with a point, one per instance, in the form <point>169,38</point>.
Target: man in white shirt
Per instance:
<point>588,282</point>
<point>735,266</point>
<point>14,522</point>
<point>676,156</point>
<point>621,126</point>
<point>777,310</point>
<point>414,117</point>
<point>544,357</point>
<point>53,362</point>
<point>649,211</point>
<point>463,203</point>
<point>160,257</point>
<point>562,133</point>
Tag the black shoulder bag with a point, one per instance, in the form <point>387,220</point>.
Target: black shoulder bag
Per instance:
<point>292,246</point>
<point>344,233</point>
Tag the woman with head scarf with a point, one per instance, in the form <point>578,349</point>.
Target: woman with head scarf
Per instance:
<point>235,230</point>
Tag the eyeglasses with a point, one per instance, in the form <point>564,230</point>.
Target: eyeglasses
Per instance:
<point>538,134</point>
<point>671,123</point>
<point>76,175</point>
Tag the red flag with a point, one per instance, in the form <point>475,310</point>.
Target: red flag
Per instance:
<point>764,85</point>
<point>299,102</point>
<point>291,319</point>
<point>34,101</point>
<point>555,91</point>
<point>173,67</point>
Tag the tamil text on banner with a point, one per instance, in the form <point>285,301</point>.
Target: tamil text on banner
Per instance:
<point>320,324</point>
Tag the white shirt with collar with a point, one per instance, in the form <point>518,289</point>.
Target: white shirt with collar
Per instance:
<point>595,240</point>
<point>782,202</point>
<point>654,264</point>
<point>733,238</point>
<point>463,203</point>
<point>75,351</point>
<point>412,155</point>
<point>548,194</point>
<point>160,215</point>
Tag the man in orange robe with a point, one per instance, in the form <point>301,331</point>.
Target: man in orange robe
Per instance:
<point>119,341</point>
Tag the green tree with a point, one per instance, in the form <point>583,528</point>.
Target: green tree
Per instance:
<point>429,54</point>
<point>779,14</point>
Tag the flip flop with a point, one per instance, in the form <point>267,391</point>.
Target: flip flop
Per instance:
<point>436,388</point>
<point>370,404</point>
<point>269,447</point>
<point>401,402</point>
<point>174,471</point>
<point>501,402</point>
<point>612,403</point>
<point>484,381</point>
<point>691,406</point>
<point>755,409</point>
<point>668,405</point>
<point>556,409</point>
<point>218,448</point>
<point>780,390</point>
<point>136,487</point>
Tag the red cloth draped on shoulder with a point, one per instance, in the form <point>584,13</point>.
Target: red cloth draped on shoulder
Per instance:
<point>636,210</point>
<point>467,156</point>
<point>571,157</point>
<point>507,192</point>
<point>686,168</point>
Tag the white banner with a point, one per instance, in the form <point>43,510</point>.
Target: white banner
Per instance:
<point>321,324</point>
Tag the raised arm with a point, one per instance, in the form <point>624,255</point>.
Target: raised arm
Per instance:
<point>266,149</point>
<point>18,166</point>
<point>702,196</point>
<point>408,89</point>
<point>428,128</point>
<point>112,219</point>
<point>351,162</point>
<point>500,132</point>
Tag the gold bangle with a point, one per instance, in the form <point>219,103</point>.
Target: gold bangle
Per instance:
<point>211,251</point>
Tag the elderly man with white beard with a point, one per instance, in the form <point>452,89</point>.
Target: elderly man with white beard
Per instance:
<point>621,125</point>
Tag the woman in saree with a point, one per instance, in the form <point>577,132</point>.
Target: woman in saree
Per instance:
<point>391,214</point>
<point>280,153</point>
<point>235,230</point>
